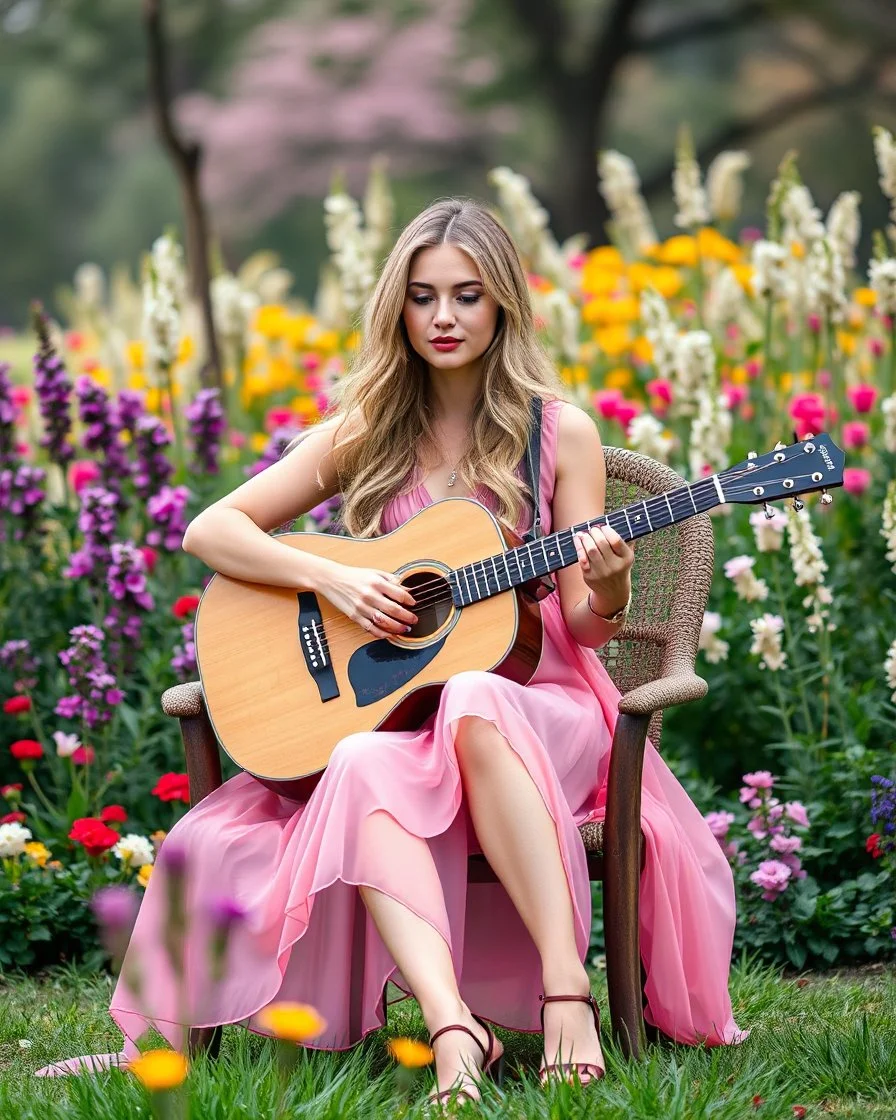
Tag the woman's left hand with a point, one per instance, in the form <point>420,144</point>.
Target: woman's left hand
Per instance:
<point>606,563</point>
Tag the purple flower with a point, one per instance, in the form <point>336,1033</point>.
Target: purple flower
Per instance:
<point>167,511</point>
<point>8,455</point>
<point>276,445</point>
<point>183,661</point>
<point>16,656</point>
<point>206,423</point>
<point>325,517</point>
<point>126,583</point>
<point>101,432</point>
<point>152,468</point>
<point>772,876</point>
<point>226,912</point>
<point>54,392</point>
<point>21,495</point>
<point>129,407</point>
<point>95,693</point>
<point>116,909</point>
<point>785,845</point>
<point>719,823</point>
<point>759,779</point>
<point>97,520</point>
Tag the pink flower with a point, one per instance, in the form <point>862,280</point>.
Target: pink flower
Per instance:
<point>757,827</point>
<point>736,566</point>
<point>753,368</point>
<point>734,395</point>
<point>719,823</point>
<point>606,401</point>
<point>314,383</point>
<point>150,557</point>
<point>278,417</point>
<point>875,347</point>
<point>311,362</point>
<point>813,322</point>
<point>759,779</point>
<point>772,876</point>
<point>855,434</point>
<point>660,388</point>
<point>238,438</point>
<point>797,813</point>
<point>862,397</point>
<point>747,793</point>
<point>856,480</point>
<point>785,845</point>
<point>81,473</point>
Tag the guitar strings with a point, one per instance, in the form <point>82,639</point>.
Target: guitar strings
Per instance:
<point>434,590</point>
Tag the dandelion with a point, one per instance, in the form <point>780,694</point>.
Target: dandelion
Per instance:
<point>767,641</point>
<point>293,1022</point>
<point>410,1053</point>
<point>158,1070</point>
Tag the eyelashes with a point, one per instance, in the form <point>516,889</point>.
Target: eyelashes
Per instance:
<point>463,299</point>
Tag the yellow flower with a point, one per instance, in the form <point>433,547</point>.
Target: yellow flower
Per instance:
<point>619,378</point>
<point>271,320</point>
<point>295,1022</point>
<point>143,874</point>
<point>326,341</point>
<point>678,250</point>
<point>186,348</point>
<point>743,273</point>
<point>258,441</point>
<point>409,1052</point>
<point>865,297</point>
<point>785,382</point>
<point>135,351</point>
<point>739,376</point>
<point>598,282</point>
<point>605,257</point>
<point>716,247</point>
<point>102,375</point>
<point>159,1069</point>
<point>38,853</point>
<point>847,342</point>
<point>797,250</point>
<point>296,328</point>
<point>613,340</point>
<point>642,350</point>
<point>136,380</point>
<point>607,311</point>
<point>353,340</point>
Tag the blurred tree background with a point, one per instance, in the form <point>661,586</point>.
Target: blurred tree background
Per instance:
<point>283,94</point>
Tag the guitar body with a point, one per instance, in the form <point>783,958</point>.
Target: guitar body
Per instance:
<point>286,675</point>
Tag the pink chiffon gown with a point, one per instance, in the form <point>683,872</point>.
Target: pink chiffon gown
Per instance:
<point>294,868</point>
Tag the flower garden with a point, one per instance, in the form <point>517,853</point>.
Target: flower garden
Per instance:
<point>694,349</point>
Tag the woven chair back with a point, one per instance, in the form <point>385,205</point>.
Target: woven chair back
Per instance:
<point>670,581</point>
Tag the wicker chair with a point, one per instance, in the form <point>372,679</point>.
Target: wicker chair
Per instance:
<point>651,661</point>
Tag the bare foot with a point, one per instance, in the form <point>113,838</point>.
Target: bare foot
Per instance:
<point>570,1036</point>
<point>459,1061</point>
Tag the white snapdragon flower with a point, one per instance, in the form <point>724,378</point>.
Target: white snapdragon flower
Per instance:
<point>710,432</point>
<point>739,569</point>
<point>621,187</point>
<point>349,249</point>
<point>844,225</point>
<point>164,285</point>
<point>769,279</point>
<point>724,184</point>
<point>647,435</point>
<point>134,850</point>
<point>13,838</point>
<point>802,218</point>
<point>882,278</point>
<point>660,331</point>
<point>66,744</point>
<point>529,223</point>
<point>694,370</point>
<point>888,519</point>
<point>823,281</point>
<point>90,286</point>
<point>232,307</point>
<point>889,670</point>
<point>769,531</point>
<point>563,319</point>
<point>885,153</point>
<point>725,301</point>
<point>766,644</point>
<point>712,646</point>
<point>806,556</point>
<point>888,408</point>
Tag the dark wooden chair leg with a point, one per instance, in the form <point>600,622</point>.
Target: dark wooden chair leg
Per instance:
<point>622,869</point>
<point>203,757</point>
<point>205,1040</point>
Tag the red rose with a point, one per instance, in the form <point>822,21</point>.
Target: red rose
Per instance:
<point>871,846</point>
<point>9,791</point>
<point>113,813</point>
<point>12,818</point>
<point>83,756</point>
<point>26,748</point>
<point>16,704</point>
<point>185,605</point>
<point>96,836</point>
<point>758,1101</point>
<point>173,787</point>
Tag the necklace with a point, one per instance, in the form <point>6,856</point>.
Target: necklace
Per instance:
<point>452,478</point>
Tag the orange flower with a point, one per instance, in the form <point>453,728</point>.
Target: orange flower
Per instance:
<point>409,1052</point>
<point>295,1022</point>
<point>159,1069</point>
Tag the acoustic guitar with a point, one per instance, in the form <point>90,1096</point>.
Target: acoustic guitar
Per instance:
<point>286,675</point>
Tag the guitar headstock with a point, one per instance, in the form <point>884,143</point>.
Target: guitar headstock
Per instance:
<point>810,464</point>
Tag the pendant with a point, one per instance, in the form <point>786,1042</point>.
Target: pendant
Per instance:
<point>452,478</point>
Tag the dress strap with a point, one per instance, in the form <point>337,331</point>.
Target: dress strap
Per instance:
<point>532,469</point>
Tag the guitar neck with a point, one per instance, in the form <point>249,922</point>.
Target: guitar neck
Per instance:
<point>518,566</point>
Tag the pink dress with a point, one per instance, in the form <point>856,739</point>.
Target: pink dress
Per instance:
<point>295,867</point>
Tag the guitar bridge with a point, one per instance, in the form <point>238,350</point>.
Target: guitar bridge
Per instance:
<point>313,643</point>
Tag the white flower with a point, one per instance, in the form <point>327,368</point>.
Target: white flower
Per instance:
<point>621,187</point>
<point>767,641</point>
<point>66,745</point>
<point>646,434</point>
<point>694,370</point>
<point>739,570</point>
<point>690,197</point>
<point>712,646</point>
<point>823,281</point>
<point>806,557</point>
<point>844,225</point>
<point>802,218</point>
<point>725,300</point>
<point>13,838</point>
<point>888,408</point>
<point>885,152</point>
<point>164,285</point>
<point>350,250</point>
<point>888,518</point>
<point>769,531</point>
<point>529,224</point>
<point>890,669</point>
<point>769,275</point>
<point>724,184</point>
<point>134,850</point>
<point>710,433</point>
<point>232,307</point>
<point>563,320</point>
<point>882,277</point>
<point>661,332</point>
<point>90,285</point>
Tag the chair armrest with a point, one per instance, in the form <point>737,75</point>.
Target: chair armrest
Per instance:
<point>674,688</point>
<point>183,700</point>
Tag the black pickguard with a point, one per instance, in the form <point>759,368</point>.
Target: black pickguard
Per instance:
<point>380,668</point>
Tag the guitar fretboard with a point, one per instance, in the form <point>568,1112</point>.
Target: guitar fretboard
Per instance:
<point>516,566</point>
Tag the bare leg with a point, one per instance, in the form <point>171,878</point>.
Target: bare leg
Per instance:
<point>519,839</point>
<point>423,957</point>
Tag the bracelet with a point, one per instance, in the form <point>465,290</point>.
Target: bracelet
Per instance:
<point>616,617</point>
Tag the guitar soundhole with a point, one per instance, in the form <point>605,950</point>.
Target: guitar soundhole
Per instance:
<point>433,596</point>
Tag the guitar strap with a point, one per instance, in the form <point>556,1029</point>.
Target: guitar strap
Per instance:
<point>532,469</point>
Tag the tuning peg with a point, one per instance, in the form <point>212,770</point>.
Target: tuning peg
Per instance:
<point>826,498</point>
<point>798,504</point>
<point>752,455</point>
<point>768,511</point>
<point>779,446</point>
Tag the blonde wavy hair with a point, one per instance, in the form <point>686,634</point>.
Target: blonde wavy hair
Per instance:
<point>382,402</point>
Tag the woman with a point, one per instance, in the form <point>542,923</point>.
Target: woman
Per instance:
<point>437,404</point>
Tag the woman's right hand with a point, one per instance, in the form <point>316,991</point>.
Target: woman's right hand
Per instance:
<point>374,599</point>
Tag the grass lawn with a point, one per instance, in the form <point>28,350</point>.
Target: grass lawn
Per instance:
<point>824,1042</point>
